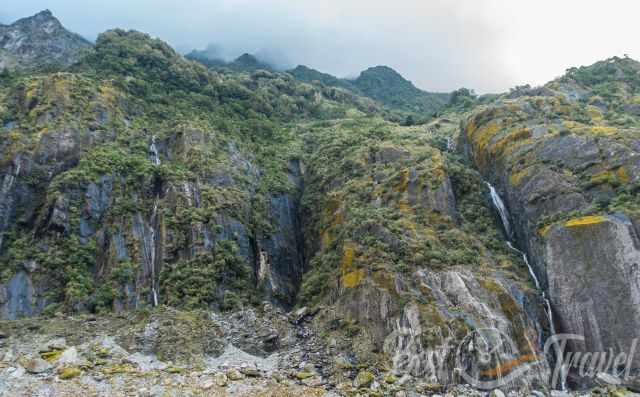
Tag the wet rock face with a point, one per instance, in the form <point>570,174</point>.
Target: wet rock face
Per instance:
<point>446,354</point>
<point>569,179</point>
<point>408,307</point>
<point>17,297</point>
<point>594,282</point>
<point>281,262</point>
<point>280,253</point>
<point>132,249</point>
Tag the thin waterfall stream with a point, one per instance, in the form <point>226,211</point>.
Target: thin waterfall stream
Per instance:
<point>155,159</point>
<point>504,217</point>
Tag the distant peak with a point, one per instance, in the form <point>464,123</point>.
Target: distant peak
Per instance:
<point>40,18</point>
<point>246,57</point>
<point>382,69</point>
<point>44,13</point>
<point>38,40</point>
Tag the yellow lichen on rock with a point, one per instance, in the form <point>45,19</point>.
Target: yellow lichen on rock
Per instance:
<point>401,187</point>
<point>516,177</point>
<point>471,128</point>
<point>484,134</point>
<point>622,175</point>
<point>594,113</point>
<point>585,220</point>
<point>51,356</point>
<point>603,130</point>
<point>353,279</point>
<point>404,207</point>
<point>334,217</point>
<point>69,373</point>
<point>385,280</point>
<point>512,137</point>
<point>350,278</point>
<point>612,177</point>
<point>543,231</point>
<point>603,177</point>
<point>571,125</point>
<point>348,252</point>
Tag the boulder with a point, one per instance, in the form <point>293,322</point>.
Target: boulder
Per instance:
<point>363,379</point>
<point>220,379</point>
<point>69,373</point>
<point>69,357</point>
<point>234,375</point>
<point>37,366</point>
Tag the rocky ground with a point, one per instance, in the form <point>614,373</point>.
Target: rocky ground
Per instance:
<point>262,352</point>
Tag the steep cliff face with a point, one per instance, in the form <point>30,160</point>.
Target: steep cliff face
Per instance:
<point>114,196</point>
<point>408,256</point>
<point>592,265</point>
<point>565,157</point>
<point>39,40</point>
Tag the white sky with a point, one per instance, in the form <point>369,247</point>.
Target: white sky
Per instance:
<point>441,45</point>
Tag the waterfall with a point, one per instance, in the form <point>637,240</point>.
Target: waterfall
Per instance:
<point>504,217</point>
<point>153,151</point>
<point>502,210</point>
<point>5,201</point>
<point>152,232</point>
<point>155,159</point>
<point>451,146</point>
<point>5,196</point>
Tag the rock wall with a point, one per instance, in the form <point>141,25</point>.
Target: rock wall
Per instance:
<point>594,281</point>
<point>383,212</point>
<point>104,224</point>
<point>568,179</point>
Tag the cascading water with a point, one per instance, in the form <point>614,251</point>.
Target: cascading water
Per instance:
<point>504,217</point>
<point>5,197</point>
<point>155,159</point>
<point>451,146</point>
<point>152,233</point>
<point>502,211</point>
<point>153,151</point>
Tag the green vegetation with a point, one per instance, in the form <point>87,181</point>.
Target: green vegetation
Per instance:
<point>396,204</point>
<point>387,86</point>
<point>309,75</point>
<point>220,277</point>
<point>224,142</point>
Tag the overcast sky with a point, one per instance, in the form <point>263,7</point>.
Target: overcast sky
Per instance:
<point>441,45</point>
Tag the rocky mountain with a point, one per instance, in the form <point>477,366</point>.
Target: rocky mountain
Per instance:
<point>172,229</point>
<point>567,161</point>
<point>38,40</point>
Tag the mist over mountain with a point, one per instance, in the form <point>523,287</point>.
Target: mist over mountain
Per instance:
<point>439,45</point>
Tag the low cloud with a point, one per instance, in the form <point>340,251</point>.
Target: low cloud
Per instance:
<point>440,45</point>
